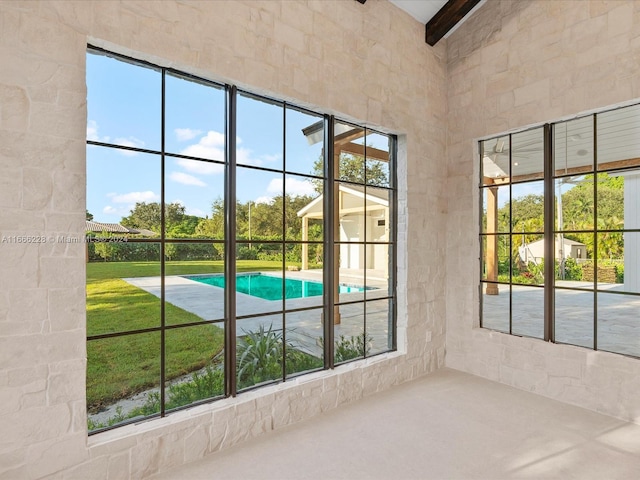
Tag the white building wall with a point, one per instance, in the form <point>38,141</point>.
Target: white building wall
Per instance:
<point>632,240</point>
<point>367,63</point>
<point>514,64</point>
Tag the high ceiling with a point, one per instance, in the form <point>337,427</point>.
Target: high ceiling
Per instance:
<point>441,17</point>
<point>421,10</point>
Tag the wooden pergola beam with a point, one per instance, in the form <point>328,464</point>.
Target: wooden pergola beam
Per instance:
<point>447,17</point>
<point>582,169</point>
<point>372,153</point>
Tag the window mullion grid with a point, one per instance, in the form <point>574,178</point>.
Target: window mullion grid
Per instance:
<point>329,241</point>
<point>549,235</point>
<point>230,244</point>
<point>365,246</point>
<point>283,242</point>
<point>394,239</point>
<point>510,237</point>
<point>162,246</point>
<point>595,232</point>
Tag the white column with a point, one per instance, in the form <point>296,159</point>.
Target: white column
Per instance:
<point>631,240</point>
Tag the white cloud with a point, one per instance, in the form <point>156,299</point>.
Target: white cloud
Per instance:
<point>299,187</point>
<point>195,211</point>
<point>184,134</point>
<point>109,210</point>
<point>129,142</point>
<point>92,132</point>
<point>186,179</point>
<point>200,168</point>
<point>120,211</point>
<point>134,197</point>
<point>264,199</point>
<point>210,146</point>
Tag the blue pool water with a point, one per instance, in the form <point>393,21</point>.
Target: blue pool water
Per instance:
<point>270,288</point>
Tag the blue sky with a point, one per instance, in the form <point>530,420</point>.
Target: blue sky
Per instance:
<point>124,108</point>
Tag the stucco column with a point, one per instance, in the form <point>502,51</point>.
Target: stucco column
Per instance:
<point>492,241</point>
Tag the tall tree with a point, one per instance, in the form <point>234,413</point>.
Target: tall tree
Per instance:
<point>353,168</point>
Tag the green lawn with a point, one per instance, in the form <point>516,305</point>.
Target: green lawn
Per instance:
<point>122,366</point>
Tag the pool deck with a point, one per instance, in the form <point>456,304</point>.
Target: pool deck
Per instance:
<point>302,329</point>
<point>618,328</point>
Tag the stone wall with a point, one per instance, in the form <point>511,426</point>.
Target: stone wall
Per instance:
<point>511,65</point>
<point>366,62</point>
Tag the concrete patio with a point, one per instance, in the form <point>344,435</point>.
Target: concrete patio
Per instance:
<point>303,329</point>
<point>618,322</point>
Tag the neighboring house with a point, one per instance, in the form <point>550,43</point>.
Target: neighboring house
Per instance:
<point>363,215</point>
<point>534,251</point>
<point>98,227</point>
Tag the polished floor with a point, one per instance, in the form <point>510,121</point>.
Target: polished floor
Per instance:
<point>447,425</point>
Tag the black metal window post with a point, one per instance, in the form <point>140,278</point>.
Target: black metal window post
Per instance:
<point>230,244</point>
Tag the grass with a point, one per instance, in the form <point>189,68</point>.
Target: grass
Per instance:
<point>119,367</point>
<point>110,270</point>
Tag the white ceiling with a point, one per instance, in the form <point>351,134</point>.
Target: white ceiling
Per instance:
<point>424,10</point>
<point>421,10</point>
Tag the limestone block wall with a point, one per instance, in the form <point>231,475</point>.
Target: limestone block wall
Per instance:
<point>511,65</point>
<point>363,62</point>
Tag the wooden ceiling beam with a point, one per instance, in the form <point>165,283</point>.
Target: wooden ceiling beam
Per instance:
<point>447,17</point>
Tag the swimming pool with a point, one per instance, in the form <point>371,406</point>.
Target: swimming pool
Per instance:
<point>270,288</point>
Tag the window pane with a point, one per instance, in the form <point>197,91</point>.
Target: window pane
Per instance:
<point>350,339</point>
<point>194,282</point>
<point>574,261</point>
<point>123,187</point>
<point>495,160</point>
<point>496,257</point>
<point>527,305</point>
<point>123,286</point>
<point>259,208</point>
<point>619,138</point>
<point>379,325</point>
<point>528,263</point>
<point>194,119</point>
<point>260,134</point>
<point>377,214</point>
<point>119,369</point>
<point>377,272</point>
<point>304,278</point>
<point>573,146</point>
<point>194,364</point>
<point>303,208</point>
<point>352,272</point>
<point>259,283</point>
<point>351,210</point>
<point>496,212</point>
<point>377,154</point>
<point>123,103</point>
<point>527,155</point>
<point>259,350</point>
<point>495,306</point>
<point>611,259</point>
<point>305,141</point>
<point>348,149</point>
<point>618,200</point>
<point>574,203</point>
<point>527,207</point>
<point>304,341</point>
<point>618,323</point>
<point>628,271</point>
<point>194,193</point>
<point>574,317</point>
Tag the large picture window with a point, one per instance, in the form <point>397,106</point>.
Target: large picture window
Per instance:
<point>560,232</point>
<point>233,241</point>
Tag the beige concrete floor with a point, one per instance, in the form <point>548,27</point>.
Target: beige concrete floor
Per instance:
<point>448,425</point>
